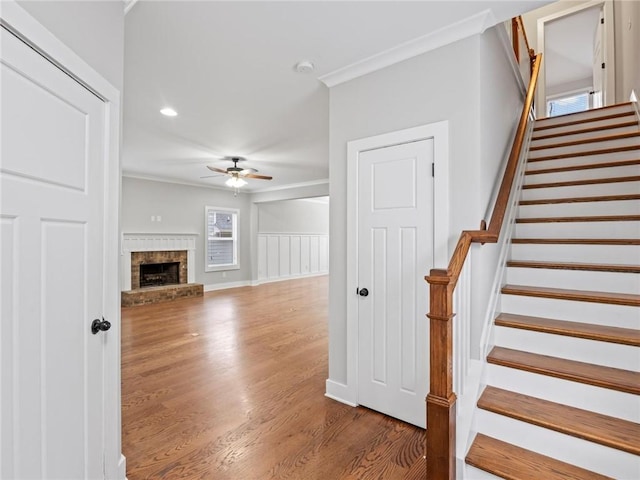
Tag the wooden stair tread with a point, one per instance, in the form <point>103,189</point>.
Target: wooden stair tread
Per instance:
<point>539,126</point>
<point>611,298</point>
<point>586,181</point>
<point>600,198</point>
<point>586,130</point>
<point>589,331</point>
<point>577,241</point>
<point>602,151</point>
<point>588,166</point>
<point>595,427</point>
<point>592,139</point>
<point>515,463</point>
<point>590,218</point>
<point>599,109</point>
<point>581,372</point>
<point>589,267</point>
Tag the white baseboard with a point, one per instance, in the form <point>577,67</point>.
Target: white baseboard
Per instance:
<point>223,286</point>
<point>122,467</point>
<point>254,283</point>
<point>288,277</point>
<point>339,392</point>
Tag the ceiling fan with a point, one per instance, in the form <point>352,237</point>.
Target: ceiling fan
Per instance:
<point>237,174</point>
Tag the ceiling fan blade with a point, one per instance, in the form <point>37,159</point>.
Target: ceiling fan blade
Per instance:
<point>215,169</point>
<point>212,176</point>
<point>260,177</point>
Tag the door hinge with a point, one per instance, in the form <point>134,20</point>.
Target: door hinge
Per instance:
<point>602,64</point>
<point>433,169</point>
<point>602,21</point>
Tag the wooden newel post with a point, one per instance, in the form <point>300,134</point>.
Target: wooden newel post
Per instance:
<point>441,401</point>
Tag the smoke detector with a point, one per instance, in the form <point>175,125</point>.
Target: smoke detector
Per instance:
<point>304,66</point>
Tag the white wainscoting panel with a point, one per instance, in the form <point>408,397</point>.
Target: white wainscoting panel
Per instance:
<point>290,255</point>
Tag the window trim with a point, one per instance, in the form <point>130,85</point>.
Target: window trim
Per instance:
<point>568,94</point>
<point>235,239</point>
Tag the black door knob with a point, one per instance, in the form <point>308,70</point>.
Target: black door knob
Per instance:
<point>363,292</point>
<point>100,325</point>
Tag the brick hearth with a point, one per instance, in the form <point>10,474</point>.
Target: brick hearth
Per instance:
<point>165,293</point>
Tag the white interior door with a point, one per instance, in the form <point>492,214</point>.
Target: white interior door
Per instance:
<point>395,249</point>
<point>598,61</point>
<point>52,172</point>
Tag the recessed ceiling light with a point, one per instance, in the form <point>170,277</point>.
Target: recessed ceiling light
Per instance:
<point>168,112</point>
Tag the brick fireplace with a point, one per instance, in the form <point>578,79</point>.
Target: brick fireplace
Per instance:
<point>141,259</point>
<point>158,268</point>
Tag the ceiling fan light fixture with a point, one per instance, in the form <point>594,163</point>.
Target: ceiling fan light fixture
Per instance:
<point>235,182</point>
<point>168,112</point>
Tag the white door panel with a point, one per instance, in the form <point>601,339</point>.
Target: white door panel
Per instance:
<point>52,206</point>
<point>395,248</point>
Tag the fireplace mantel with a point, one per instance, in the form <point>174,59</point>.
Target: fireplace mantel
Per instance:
<point>155,242</point>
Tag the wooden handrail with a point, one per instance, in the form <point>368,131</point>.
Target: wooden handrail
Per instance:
<point>526,40</point>
<point>517,26</point>
<point>441,400</point>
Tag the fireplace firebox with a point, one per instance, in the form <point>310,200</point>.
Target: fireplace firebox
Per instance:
<point>157,274</point>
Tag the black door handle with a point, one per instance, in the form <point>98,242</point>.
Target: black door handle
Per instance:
<point>100,325</point>
<point>363,292</point>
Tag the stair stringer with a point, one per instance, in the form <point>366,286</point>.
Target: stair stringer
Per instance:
<point>475,378</point>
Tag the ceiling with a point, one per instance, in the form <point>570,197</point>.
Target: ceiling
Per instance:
<point>227,68</point>
<point>569,47</point>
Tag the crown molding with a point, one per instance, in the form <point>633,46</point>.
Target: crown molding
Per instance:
<point>467,27</point>
<point>293,185</point>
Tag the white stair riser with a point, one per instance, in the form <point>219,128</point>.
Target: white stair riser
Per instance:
<point>615,188</point>
<point>598,313</point>
<point>589,114</point>
<point>578,230</point>
<point>572,137</point>
<point>575,280</point>
<point>606,354</point>
<point>582,453</point>
<point>622,254</point>
<point>574,394</point>
<point>472,473</point>
<point>580,209</point>
<point>581,126</point>
<point>589,173</point>
<point>585,147</point>
<point>583,161</point>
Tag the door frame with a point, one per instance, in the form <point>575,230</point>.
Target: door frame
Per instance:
<point>608,49</point>
<point>21,24</point>
<point>439,132</point>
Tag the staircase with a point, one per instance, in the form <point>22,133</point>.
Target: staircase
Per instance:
<point>562,399</point>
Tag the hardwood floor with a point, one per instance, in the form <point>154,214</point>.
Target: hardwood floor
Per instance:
<point>231,386</point>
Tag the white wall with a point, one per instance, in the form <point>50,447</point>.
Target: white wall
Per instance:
<point>439,85</point>
<point>627,43</point>
<point>181,208</point>
<point>472,85</point>
<point>293,216</point>
<point>501,100</point>
<point>293,237</point>
<point>92,29</point>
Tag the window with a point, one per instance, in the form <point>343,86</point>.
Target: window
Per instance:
<point>222,239</point>
<point>568,104</point>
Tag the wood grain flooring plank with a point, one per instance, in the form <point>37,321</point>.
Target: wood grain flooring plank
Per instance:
<point>231,386</point>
